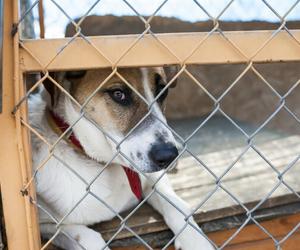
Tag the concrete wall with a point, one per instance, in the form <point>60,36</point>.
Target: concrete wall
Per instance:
<point>249,100</point>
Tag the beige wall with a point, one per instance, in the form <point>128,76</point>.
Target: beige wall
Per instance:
<point>249,100</point>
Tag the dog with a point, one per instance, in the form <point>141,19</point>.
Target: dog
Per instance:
<point>118,147</point>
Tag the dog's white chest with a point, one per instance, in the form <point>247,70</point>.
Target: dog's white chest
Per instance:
<point>72,184</point>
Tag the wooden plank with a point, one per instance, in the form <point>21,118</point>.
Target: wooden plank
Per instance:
<point>215,50</point>
<point>146,220</point>
<point>223,225</point>
<point>267,244</point>
<point>252,237</point>
<point>278,227</point>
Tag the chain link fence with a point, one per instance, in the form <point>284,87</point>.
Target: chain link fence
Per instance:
<point>115,70</point>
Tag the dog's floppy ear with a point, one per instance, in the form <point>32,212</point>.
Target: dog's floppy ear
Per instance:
<point>72,75</point>
<point>50,87</point>
<point>170,72</point>
<point>59,77</point>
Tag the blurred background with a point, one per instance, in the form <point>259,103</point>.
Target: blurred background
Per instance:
<point>238,11</point>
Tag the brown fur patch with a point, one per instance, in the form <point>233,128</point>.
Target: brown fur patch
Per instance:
<point>102,108</point>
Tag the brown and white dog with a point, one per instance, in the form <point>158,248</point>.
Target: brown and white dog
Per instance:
<point>62,183</point>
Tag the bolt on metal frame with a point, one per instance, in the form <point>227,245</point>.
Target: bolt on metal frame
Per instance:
<point>183,49</point>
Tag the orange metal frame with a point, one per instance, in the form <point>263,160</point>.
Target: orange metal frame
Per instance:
<point>15,157</point>
<point>213,50</point>
<point>20,216</point>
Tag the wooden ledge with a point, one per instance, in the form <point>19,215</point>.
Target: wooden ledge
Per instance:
<point>149,52</point>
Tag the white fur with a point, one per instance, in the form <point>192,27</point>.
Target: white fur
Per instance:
<point>146,133</point>
<point>59,189</point>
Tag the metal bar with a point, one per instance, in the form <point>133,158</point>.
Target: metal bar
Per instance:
<point>214,51</point>
<point>41,19</point>
<point>144,49</point>
<point>26,26</point>
<point>1,49</point>
<point>18,214</point>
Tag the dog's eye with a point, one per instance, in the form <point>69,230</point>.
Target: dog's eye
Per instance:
<point>160,84</point>
<point>120,96</point>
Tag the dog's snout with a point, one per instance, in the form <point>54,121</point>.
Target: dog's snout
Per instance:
<point>162,154</point>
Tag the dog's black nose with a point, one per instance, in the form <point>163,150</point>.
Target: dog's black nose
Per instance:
<point>163,154</point>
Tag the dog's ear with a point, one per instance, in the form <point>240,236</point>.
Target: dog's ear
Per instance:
<point>170,72</point>
<point>50,87</point>
<point>72,75</point>
<point>53,90</point>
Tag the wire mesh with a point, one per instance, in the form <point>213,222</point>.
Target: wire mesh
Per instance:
<point>53,155</point>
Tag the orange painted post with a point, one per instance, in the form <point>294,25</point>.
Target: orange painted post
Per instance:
<point>214,51</point>
<point>19,214</point>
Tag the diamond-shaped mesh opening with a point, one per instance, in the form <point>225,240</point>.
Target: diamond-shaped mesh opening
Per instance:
<point>264,103</point>
<point>209,76</point>
<point>241,174</point>
<point>281,76</point>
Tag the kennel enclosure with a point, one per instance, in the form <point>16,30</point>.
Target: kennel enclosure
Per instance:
<point>23,56</point>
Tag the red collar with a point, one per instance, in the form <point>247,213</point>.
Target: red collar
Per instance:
<point>132,176</point>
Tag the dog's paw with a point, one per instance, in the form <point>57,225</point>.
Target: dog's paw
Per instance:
<point>190,239</point>
<point>90,240</point>
<point>74,237</point>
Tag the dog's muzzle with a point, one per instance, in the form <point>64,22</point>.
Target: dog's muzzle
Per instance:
<point>162,154</point>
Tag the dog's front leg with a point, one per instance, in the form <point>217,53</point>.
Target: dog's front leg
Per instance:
<point>189,238</point>
<point>74,237</point>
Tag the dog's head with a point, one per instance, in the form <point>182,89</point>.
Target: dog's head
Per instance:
<point>117,114</point>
